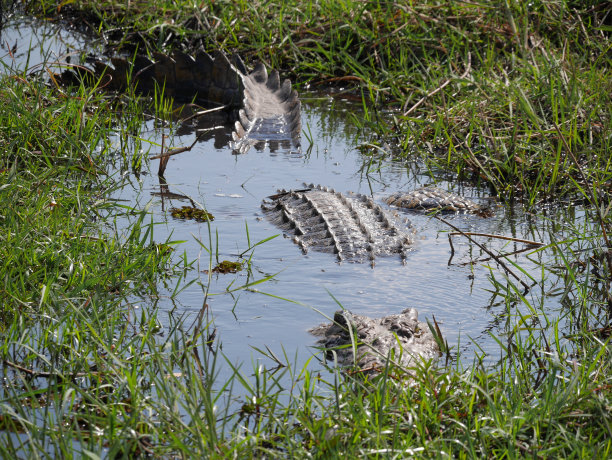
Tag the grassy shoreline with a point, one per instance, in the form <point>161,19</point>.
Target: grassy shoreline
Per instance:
<point>510,96</point>
<point>85,369</point>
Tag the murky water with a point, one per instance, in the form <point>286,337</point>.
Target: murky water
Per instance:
<point>304,288</point>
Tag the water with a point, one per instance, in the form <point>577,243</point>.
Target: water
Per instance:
<point>27,43</point>
<point>232,188</point>
<point>306,288</point>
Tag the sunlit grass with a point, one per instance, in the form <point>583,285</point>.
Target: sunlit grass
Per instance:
<point>493,93</point>
<point>513,96</point>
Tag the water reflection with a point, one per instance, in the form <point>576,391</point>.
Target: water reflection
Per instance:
<point>29,44</point>
<point>457,293</point>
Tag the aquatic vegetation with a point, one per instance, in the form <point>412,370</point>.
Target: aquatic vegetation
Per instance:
<point>512,95</point>
<point>227,266</point>
<point>189,212</point>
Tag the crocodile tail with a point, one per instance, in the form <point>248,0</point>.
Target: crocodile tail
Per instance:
<point>271,113</point>
<point>263,109</point>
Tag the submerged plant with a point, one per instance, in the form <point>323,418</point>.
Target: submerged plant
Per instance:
<point>228,266</point>
<point>189,212</point>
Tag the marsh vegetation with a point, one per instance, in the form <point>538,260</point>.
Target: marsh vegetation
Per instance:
<point>510,97</point>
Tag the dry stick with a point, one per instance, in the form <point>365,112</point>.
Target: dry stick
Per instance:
<point>479,164</point>
<point>184,149</point>
<point>503,254</point>
<point>204,112</point>
<point>42,374</point>
<point>438,89</point>
<point>499,237</point>
<point>496,258</point>
<point>166,193</point>
<point>165,155</point>
<point>163,162</point>
<point>424,98</point>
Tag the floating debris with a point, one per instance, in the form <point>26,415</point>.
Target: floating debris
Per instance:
<point>227,267</point>
<point>188,212</point>
<point>231,195</point>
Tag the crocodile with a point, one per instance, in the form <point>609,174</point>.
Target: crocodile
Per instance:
<point>353,226</point>
<point>262,108</point>
<point>436,200</point>
<point>369,342</point>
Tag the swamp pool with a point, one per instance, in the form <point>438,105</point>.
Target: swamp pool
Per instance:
<point>304,289</point>
<point>307,288</point>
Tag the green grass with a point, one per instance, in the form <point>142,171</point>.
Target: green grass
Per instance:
<point>69,278</point>
<point>501,94</point>
<point>512,97</point>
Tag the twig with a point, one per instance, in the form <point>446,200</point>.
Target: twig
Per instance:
<point>499,237</point>
<point>164,156</point>
<point>427,96</point>
<point>204,112</point>
<point>176,151</point>
<point>163,162</point>
<point>46,375</point>
<point>496,258</point>
<point>504,254</point>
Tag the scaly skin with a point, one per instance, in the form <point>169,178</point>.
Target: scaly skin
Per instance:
<point>352,227</point>
<point>264,109</point>
<point>369,342</point>
<point>435,199</point>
